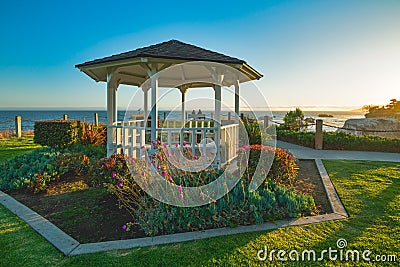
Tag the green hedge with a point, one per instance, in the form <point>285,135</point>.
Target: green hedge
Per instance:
<point>57,133</point>
<point>341,141</point>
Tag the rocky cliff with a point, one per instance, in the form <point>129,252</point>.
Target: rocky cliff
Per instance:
<point>385,127</point>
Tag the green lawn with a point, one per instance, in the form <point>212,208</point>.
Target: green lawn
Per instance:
<point>370,192</point>
<point>11,147</point>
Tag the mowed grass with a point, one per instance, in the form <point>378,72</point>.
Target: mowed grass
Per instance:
<point>11,147</point>
<point>370,192</point>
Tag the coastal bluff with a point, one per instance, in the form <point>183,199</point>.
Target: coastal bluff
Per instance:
<point>384,127</point>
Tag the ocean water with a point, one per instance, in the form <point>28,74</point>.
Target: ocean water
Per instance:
<point>29,117</point>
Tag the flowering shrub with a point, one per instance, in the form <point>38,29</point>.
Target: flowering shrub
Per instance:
<point>106,170</point>
<point>93,135</point>
<point>74,163</point>
<point>284,169</point>
<point>238,207</point>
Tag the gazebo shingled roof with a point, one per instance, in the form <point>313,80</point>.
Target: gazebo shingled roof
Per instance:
<point>173,52</point>
<point>172,49</point>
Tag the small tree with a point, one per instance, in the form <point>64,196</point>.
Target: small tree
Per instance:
<point>294,120</point>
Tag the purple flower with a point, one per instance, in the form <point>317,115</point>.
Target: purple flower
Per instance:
<point>142,173</point>
<point>176,145</point>
<point>142,147</point>
<point>113,174</point>
<point>180,188</point>
<point>158,168</point>
<point>195,157</point>
<point>164,173</point>
<point>165,145</point>
<point>184,143</point>
<point>124,227</point>
<point>120,184</point>
<point>180,196</point>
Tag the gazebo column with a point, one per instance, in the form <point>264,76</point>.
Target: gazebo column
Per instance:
<point>145,102</point>
<point>237,101</point>
<point>154,107</point>
<point>217,122</point>
<point>112,112</point>
<point>183,90</point>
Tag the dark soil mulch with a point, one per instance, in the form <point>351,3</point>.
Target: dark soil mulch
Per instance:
<point>93,215</point>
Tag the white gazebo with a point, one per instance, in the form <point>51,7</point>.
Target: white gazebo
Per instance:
<point>171,64</point>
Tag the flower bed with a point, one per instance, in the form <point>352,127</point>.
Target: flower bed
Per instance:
<point>275,199</point>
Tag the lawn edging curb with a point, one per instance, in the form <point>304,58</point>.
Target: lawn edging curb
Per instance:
<point>71,247</point>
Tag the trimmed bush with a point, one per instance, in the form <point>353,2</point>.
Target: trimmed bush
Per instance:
<point>57,133</point>
<point>342,141</point>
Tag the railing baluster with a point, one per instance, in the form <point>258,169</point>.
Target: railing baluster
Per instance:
<point>193,141</point>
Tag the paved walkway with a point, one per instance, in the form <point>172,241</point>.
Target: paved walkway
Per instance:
<point>309,153</point>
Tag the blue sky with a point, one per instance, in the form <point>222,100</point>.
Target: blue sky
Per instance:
<point>312,53</point>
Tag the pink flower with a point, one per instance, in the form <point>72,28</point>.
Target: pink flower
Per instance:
<point>245,147</point>
<point>163,173</point>
<point>165,145</point>
<point>176,145</point>
<point>180,188</point>
<point>180,196</point>
<point>170,178</point>
<point>113,174</point>
<point>132,161</point>
<point>124,227</point>
<point>159,157</point>
<point>120,184</point>
<point>142,173</point>
<point>184,143</point>
<point>195,157</point>
<point>158,168</point>
<point>201,194</point>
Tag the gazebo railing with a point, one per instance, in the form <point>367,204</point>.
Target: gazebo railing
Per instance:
<point>229,142</point>
<point>132,138</point>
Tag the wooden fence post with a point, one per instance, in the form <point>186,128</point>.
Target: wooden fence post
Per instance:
<point>96,119</point>
<point>318,134</point>
<point>18,128</point>
<point>65,117</point>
